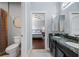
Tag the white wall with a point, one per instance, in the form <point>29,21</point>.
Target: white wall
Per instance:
<point>14,11</point>
<point>27,30</point>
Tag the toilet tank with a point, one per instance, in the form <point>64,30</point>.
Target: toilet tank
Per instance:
<point>17,39</point>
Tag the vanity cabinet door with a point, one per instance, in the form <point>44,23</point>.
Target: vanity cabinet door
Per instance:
<point>51,45</point>
<point>59,53</point>
<point>52,48</point>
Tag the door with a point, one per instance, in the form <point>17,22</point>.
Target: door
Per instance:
<point>3,31</point>
<point>38,30</point>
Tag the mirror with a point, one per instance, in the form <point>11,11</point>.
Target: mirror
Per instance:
<point>61,23</point>
<point>18,22</point>
<point>55,22</point>
<point>58,24</point>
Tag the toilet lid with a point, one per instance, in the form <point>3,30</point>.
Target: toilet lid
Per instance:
<point>11,46</point>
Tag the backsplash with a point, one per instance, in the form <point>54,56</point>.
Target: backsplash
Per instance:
<point>67,36</point>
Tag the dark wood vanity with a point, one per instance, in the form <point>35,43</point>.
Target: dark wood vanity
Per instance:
<point>59,50</point>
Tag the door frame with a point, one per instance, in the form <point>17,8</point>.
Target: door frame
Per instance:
<point>46,35</point>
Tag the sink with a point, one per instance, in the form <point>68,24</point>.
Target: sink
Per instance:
<point>75,45</point>
<point>56,37</point>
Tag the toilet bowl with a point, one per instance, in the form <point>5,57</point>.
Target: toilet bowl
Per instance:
<point>13,49</point>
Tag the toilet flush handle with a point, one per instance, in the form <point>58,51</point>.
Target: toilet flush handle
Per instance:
<point>21,35</point>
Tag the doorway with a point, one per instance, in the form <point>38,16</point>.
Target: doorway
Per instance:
<point>38,30</point>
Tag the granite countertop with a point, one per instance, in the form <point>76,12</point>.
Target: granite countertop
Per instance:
<point>62,40</point>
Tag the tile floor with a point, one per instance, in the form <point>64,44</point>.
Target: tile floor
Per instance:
<point>19,55</point>
<point>40,53</point>
<point>36,53</point>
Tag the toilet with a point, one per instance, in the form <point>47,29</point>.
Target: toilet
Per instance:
<point>13,49</point>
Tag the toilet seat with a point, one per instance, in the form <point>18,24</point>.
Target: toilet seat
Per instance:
<point>13,49</point>
<point>12,46</point>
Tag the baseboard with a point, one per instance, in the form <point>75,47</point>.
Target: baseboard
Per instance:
<point>47,49</point>
<point>29,52</point>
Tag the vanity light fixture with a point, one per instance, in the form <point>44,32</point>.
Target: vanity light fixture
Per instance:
<point>66,5</point>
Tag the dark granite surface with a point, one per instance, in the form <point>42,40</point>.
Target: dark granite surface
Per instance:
<point>62,40</point>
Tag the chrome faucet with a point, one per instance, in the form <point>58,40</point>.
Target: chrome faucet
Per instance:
<point>77,35</point>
